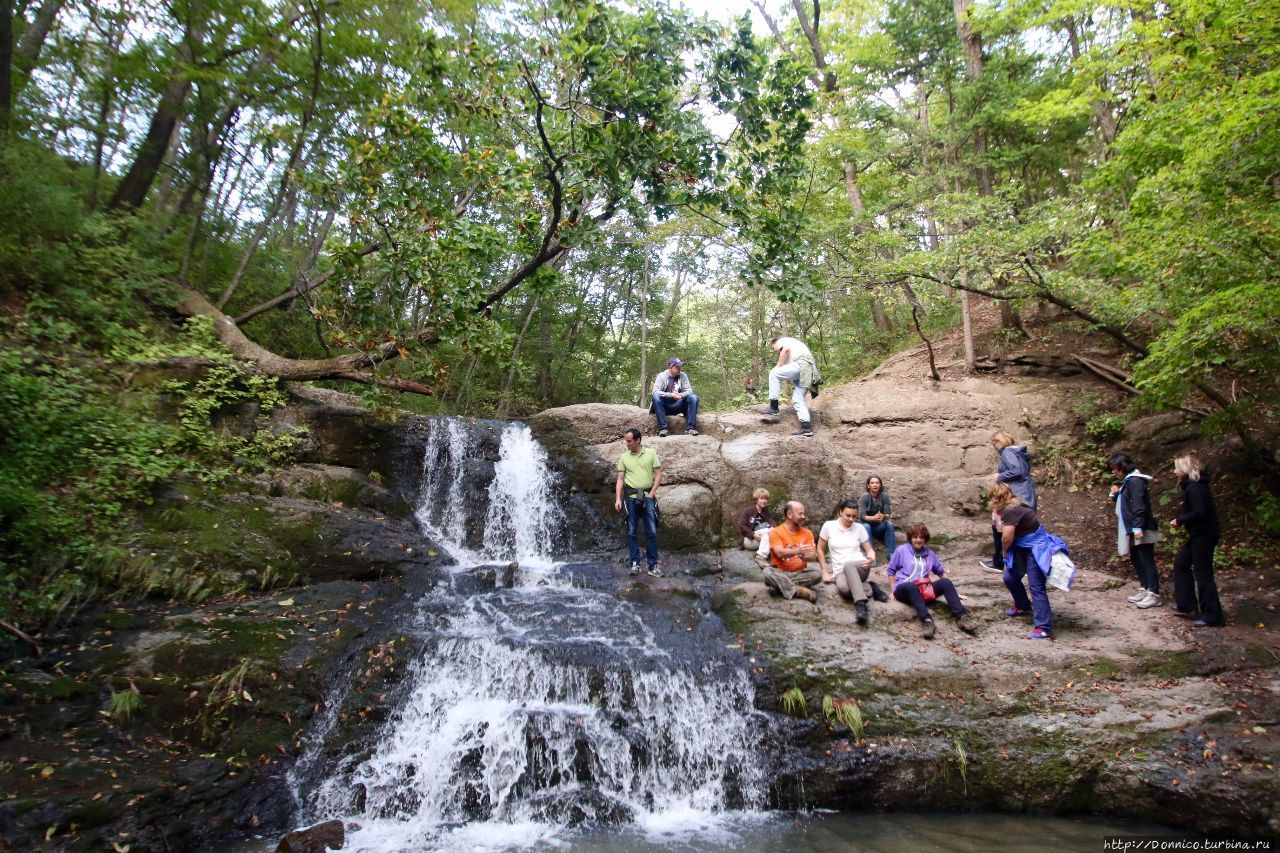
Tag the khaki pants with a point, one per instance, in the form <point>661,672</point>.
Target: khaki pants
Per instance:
<point>851,582</point>
<point>786,582</point>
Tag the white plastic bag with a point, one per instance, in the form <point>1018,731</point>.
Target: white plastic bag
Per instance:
<point>1061,571</point>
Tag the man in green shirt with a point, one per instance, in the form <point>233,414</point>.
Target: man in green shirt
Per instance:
<point>639,473</point>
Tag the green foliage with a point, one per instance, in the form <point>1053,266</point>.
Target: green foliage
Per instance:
<point>844,712</point>
<point>226,693</point>
<point>1266,510</point>
<point>1104,428</point>
<point>794,704</point>
<point>962,761</point>
<point>125,704</point>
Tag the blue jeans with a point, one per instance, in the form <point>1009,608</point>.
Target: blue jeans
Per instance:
<point>686,405</point>
<point>648,510</point>
<point>1025,565</point>
<point>882,530</point>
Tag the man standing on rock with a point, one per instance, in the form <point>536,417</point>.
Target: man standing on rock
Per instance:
<point>673,395</point>
<point>797,366</point>
<point>792,548</point>
<point>640,472</point>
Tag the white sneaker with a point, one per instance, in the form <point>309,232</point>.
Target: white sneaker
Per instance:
<point>635,568</point>
<point>1138,596</point>
<point>1152,600</point>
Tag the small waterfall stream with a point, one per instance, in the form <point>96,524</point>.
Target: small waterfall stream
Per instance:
<point>540,708</point>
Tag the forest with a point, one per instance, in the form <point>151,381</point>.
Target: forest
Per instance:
<point>489,208</point>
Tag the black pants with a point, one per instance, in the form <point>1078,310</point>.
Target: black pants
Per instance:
<point>908,593</point>
<point>1143,558</point>
<point>997,554</point>
<point>1194,588</point>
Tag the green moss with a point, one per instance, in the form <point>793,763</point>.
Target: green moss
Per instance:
<point>1163,664</point>
<point>731,614</point>
<point>89,814</point>
<point>197,547</point>
<point>1258,655</point>
<point>111,621</point>
<point>64,687</point>
<point>1104,668</point>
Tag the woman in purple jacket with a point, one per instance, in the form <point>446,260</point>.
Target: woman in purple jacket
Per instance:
<point>914,561</point>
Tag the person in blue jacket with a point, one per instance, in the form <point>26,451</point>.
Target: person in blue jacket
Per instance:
<point>1014,470</point>
<point>1028,550</point>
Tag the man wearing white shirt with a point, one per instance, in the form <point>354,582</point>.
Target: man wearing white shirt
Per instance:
<point>797,366</point>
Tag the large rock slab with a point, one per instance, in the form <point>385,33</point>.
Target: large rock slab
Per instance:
<point>928,441</point>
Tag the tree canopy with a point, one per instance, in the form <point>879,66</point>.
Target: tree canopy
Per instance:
<point>502,206</point>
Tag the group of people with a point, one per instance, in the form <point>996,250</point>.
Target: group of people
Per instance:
<point>1195,590</point>
<point>844,553</point>
<point>1022,550</point>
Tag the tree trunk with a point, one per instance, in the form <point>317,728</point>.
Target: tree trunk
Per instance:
<point>879,318</point>
<point>6,67</point>
<point>132,191</point>
<point>27,54</point>
<point>505,399</point>
<point>644,329</point>
<point>973,66</point>
<point>133,188</point>
<point>669,315</point>
<point>966,313</point>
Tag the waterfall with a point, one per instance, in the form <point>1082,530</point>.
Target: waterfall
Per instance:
<point>544,706</point>
<point>519,519</point>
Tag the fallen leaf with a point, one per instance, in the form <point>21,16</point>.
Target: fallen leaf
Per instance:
<point>288,602</point>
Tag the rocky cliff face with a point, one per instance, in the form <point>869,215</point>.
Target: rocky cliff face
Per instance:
<point>929,442</point>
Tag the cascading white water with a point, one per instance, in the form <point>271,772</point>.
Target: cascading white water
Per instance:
<point>542,706</point>
<point>523,513</point>
<point>443,510</point>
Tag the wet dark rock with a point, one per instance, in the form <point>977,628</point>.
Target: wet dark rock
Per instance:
<point>330,835</point>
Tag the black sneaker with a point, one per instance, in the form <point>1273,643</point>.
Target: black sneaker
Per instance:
<point>860,612</point>
<point>878,594</point>
<point>771,410</point>
<point>929,629</point>
<point>806,429</point>
<point>988,566</point>
<point>654,571</point>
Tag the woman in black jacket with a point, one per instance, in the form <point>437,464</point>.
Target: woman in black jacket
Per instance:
<point>1199,516</point>
<point>1137,532</point>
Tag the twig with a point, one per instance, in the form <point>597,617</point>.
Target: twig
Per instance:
<point>21,635</point>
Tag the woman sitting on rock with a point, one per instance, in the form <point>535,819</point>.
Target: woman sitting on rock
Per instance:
<point>1028,552</point>
<point>909,570</point>
<point>851,559</point>
<point>875,513</point>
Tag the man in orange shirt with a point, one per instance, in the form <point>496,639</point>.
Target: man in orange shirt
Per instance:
<point>792,548</point>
